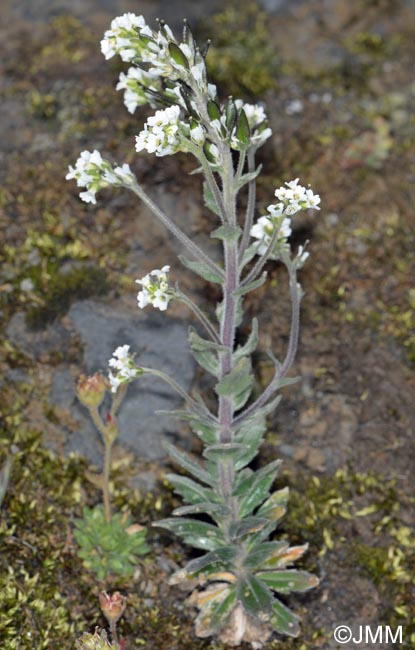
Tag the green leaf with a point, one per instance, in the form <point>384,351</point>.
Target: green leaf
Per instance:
<point>213,110</point>
<point>246,526</point>
<point>227,232</point>
<point>275,507</point>
<point>216,611</point>
<point>191,491</point>
<point>247,178</point>
<point>203,352</point>
<point>215,560</point>
<point>230,114</point>
<point>287,581</point>
<point>283,620</point>
<point>209,199</point>
<point>195,533</point>
<point>178,56</point>
<point>260,553</point>
<point>255,284</point>
<point>254,595</point>
<point>215,510</point>
<point>255,488</point>
<point>238,383</point>
<point>224,451</point>
<point>183,460</point>
<point>243,132</point>
<point>248,348</point>
<point>249,254</point>
<point>284,557</point>
<point>201,269</point>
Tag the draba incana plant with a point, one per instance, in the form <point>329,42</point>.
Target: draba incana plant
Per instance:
<point>230,510</point>
<point>109,543</point>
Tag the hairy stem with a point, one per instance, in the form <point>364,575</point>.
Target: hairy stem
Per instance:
<point>178,295</point>
<point>106,480</point>
<point>250,209</point>
<point>282,370</point>
<point>193,248</point>
<point>257,268</point>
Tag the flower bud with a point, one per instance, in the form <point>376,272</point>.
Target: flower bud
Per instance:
<point>96,641</point>
<point>91,390</point>
<point>112,606</point>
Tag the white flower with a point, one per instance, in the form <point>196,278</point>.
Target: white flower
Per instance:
<point>295,197</point>
<point>94,173</point>
<point>135,83</point>
<point>264,229</point>
<point>123,37</point>
<point>302,256</point>
<point>123,363</point>
<point>161,133</point>
<point>155,287</point>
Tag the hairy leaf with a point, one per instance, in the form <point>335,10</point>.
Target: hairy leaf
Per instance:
<point>246,526</point>
<point>183,460</point>
<point>287,581</point>
<point>209,199</point>
<point>195,533</point>
<point>203,354</point>
<point>224,451</point>
<point>215,510</point>
<point>255,284</point>
<point>216,611</point>
<point>221,558</point>
<point>191,491</point>
<point>255,488</point>
<point>250,345</point>
<point>254,595</point>
<point>283,620</point>
<point>238,383</point>
<point>260,553</point>
<point>227,232</point>
<point>284,557</point>
<point>201,269</point>
<point>275,507</point>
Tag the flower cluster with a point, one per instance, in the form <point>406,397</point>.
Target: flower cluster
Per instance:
<point>140,87</point>
<point>155,289</point>
<point>292,199</point>
<point>123,363</point>
<point>135,41</point>
<point>95,173</point>
<point>165,134</point>
<point>264,229</point>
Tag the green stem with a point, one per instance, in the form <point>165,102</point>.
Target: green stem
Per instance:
<point>178,295</point>
<point>114,635</point>
<point>106,480</point>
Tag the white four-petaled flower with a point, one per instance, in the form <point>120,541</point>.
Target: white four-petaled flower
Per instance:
<point>155,289</point>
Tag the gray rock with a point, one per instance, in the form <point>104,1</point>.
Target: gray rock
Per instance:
<point>35,343</point>
<point>158,342</point>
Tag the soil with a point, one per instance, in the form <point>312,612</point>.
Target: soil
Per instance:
<point>338,84</point>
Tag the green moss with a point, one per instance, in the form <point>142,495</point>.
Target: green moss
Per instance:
<point>242,59</point>
<point>65,288</point>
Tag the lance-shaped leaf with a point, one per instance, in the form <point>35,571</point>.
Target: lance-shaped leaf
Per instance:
<point>284,557</point>
<point>202,426</point>
<point>250,345</point>
<point>186,462</point>
<point>215,611</point>
<point>191,491</point>
<point>178,56</point>
<point>255,284</point>
<point>230,114</point>
<point>237,384</point>
<point>206,352</point>
<point>213,110</point>
<point>287,581</point>
<point>227,232</point>
<point>195,533</point>
<point>250,176</point>
<point>243,132</point>
<point>224,451</point>
<point>254,595</point>
<point>276,506</point>
<point>209,199</point>
<point>255,488</point>
<point>251,434</point>
<point>215,510</point>
<point>260,553</point>
<point>222,558</point>
<point>246,526</point>
<point>201,269</point>
<point>283,620</point>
